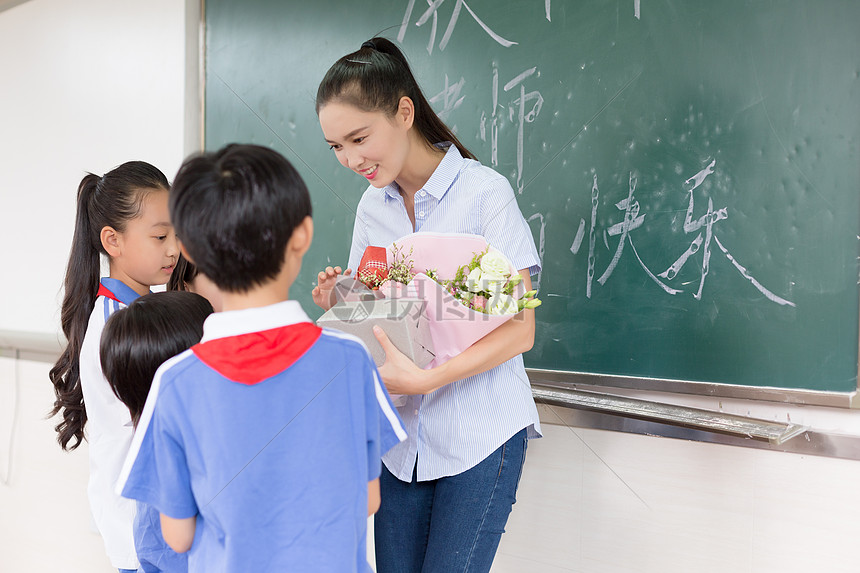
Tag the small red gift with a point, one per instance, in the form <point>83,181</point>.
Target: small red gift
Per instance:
<point>373,268</point>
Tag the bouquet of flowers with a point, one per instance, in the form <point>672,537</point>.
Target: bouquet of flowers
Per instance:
<point>487,284</point>
<point>464,301</point>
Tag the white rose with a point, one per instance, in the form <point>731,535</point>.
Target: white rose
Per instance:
<point>473,281</point>
<point>495,263</point>
<point>503,304</point>
<point>493,283</point>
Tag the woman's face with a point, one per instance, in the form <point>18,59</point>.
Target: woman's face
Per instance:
<point>370,143</point>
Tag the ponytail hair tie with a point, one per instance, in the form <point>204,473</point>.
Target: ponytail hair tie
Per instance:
<point>369,44</point>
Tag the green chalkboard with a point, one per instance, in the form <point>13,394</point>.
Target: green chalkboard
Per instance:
<point>690,169</point>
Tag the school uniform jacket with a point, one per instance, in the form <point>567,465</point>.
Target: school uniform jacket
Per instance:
<point>268,431</point>
<point>108,432</point>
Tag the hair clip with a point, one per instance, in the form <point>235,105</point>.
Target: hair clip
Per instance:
<point>369,44</point>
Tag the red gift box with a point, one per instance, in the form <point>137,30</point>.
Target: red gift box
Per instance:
<point>373,268</point>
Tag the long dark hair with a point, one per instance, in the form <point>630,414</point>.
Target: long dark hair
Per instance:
<point>137,339</point>
<point>183,274</point>
<point>108,201</point>
<point>374,78</point>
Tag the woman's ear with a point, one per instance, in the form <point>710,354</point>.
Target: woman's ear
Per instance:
<point>405,112</point>
<point>111,241</point>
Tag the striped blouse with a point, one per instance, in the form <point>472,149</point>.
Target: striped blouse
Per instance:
<point>454,428</point>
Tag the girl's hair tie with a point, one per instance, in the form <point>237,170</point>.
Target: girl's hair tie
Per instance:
<point>369,44</point>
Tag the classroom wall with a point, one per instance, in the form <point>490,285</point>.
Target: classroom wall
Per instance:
<point>84,86</point>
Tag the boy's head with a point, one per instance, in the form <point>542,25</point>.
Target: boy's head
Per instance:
<point>235,212</point>
<point>137,339</point>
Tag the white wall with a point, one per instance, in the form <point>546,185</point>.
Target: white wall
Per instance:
<point>593,501</point>
<point>45,522</point>
<point>84,86</point>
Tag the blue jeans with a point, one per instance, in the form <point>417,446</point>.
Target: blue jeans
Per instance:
<point>452,524</point>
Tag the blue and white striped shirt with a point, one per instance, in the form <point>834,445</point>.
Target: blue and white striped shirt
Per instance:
<point>454,428</point>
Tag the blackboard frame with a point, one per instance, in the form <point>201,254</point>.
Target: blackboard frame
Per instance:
<point>764,393</point>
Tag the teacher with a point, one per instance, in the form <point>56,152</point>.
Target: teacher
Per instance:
<point>448,489</point>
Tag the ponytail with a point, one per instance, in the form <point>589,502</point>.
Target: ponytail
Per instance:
<point>81,285</point>
<point>112,201</point>
<point>374,78</point>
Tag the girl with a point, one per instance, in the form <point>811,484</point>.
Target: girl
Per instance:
<point>135,341</point>
<point>124,216</point>
<point>447,491</point>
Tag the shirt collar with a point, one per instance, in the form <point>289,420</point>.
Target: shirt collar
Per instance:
<point>246,321</point>
<point>117,290</point>
<point>442,178</point>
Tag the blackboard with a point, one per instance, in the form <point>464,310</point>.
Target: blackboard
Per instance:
<point>636,133</point>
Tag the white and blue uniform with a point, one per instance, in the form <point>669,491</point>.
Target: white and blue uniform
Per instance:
<point>108,431</point>
<point>454,428</point>
<point>268,431</point>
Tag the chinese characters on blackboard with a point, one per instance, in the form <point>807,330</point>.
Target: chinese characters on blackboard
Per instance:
<point>523,106</point>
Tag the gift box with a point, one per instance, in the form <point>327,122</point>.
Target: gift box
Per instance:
<point>402,319</point>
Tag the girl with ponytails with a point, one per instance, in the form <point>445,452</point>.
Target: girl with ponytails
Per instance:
<point>122,215</point>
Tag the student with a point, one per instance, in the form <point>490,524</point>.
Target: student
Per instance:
<point>261,445</point>
<point>186,277</point>
<point>135,341</point>
<point>124,216</point>
<point>448,490</point>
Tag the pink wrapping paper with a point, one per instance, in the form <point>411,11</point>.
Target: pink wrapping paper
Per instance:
<point>453,326</point>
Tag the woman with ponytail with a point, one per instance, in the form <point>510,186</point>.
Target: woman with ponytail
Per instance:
<point>448,489</point>
<point>122,215</point>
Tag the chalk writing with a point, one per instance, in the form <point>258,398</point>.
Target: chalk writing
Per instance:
<point>541,246</point>
<point>450,98</point>
<point>632,220</point>
<point>708,220</point>
<point>431,14</point>
<point>521,110</point>
<point>705,237</point>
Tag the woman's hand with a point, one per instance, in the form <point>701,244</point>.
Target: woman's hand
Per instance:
<point>399,374</point>
<point>323,293</point>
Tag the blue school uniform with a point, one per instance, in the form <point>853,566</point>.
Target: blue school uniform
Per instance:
<point>268,431</point>
<point>109,432</point>
<point>154,554</point>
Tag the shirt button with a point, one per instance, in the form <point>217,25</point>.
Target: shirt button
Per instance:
<point>416,412</point>
<point>422,192</point>
<point>421,213</point>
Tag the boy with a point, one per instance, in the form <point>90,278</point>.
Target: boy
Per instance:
<point>261,445</point>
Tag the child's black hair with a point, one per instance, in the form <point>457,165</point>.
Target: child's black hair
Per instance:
<point>234,211</point>
<point>374,78</point>
<point>136,340</point>
<point>183,275</point>
<point>108,201</point>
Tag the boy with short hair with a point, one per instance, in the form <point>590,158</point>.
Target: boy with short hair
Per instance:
<point>261,445</point>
